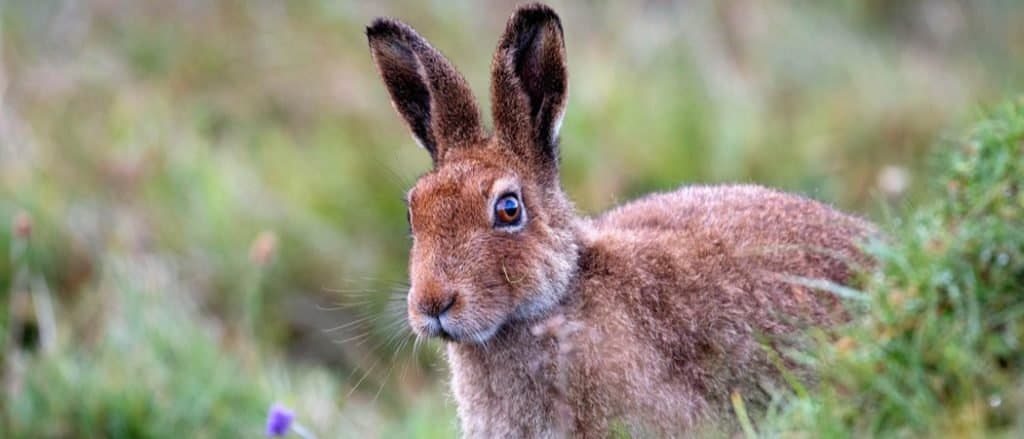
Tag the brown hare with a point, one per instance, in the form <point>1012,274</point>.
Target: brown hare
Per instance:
<point>647,317</point>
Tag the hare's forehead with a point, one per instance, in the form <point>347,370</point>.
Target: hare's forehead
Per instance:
<point>452,183</point>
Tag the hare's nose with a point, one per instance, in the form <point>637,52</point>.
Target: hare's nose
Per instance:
<point>436,306</point>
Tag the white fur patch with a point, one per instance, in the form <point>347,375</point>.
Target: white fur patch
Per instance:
<point>557,127</point>
<point>554,274</point>
<point>418,141</point>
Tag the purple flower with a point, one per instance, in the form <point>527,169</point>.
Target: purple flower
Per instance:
<point>279,420</point>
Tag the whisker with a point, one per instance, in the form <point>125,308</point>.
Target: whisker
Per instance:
<point>382,331</point>
<point>396,329</point>
<point>346,325</point>
<point>353,338</point>
<point>390,369</point>
<point>409,358</point>
<point>360,292</point>
<point>344,307</point>
<point>361,379</point>
<point>397,179</point>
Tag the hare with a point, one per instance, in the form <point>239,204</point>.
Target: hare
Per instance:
<point>647,317</point>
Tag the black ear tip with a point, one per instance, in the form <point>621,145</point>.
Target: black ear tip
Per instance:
<point>533,14</point>
<point>385,27</point>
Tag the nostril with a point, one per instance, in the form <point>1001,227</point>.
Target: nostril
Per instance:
<point>438,306</point>
<point>447,306</point>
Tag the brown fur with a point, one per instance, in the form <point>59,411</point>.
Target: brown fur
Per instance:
<point>650,315</point>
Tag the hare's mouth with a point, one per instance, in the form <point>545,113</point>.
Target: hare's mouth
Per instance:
<point>444,328</point>
<point>440,327</point>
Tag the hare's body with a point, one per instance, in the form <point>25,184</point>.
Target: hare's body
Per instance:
<point>693,278</point>
<point>649,316</point>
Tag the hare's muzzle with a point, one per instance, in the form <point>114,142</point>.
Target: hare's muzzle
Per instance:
<point>429,313</point>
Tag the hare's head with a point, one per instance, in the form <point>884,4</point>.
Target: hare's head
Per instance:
<point>492,231</point>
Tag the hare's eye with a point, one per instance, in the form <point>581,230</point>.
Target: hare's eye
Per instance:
<point>508,211</point>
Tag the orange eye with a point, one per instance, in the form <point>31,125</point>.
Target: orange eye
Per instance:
<point>507,211</point>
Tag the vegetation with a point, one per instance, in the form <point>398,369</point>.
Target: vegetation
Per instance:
<point>200,205</point>
<point>937,351</point>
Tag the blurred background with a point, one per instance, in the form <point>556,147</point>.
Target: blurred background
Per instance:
<point>200,201</point>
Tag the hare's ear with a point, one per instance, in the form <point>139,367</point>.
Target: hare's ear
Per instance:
<point>529,85</point>
<point>433,98</point>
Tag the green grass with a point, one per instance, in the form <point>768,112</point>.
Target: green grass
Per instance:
<point>937,351</point>
<point>150,365</point>
<point>152,143</point>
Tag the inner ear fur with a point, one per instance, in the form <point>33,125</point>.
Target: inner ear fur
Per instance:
<point>427,91</point>
<point>529,85</point>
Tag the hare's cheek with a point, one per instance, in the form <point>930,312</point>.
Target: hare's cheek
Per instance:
<point>517,270</point>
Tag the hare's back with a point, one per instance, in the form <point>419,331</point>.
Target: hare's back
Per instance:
<point>708,267</point>
<point>743,215</point>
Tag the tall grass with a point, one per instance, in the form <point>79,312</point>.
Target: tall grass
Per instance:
<point>938,350</point>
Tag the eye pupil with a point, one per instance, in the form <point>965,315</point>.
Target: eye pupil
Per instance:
<point>510,207</point>
<point>507,211</point>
